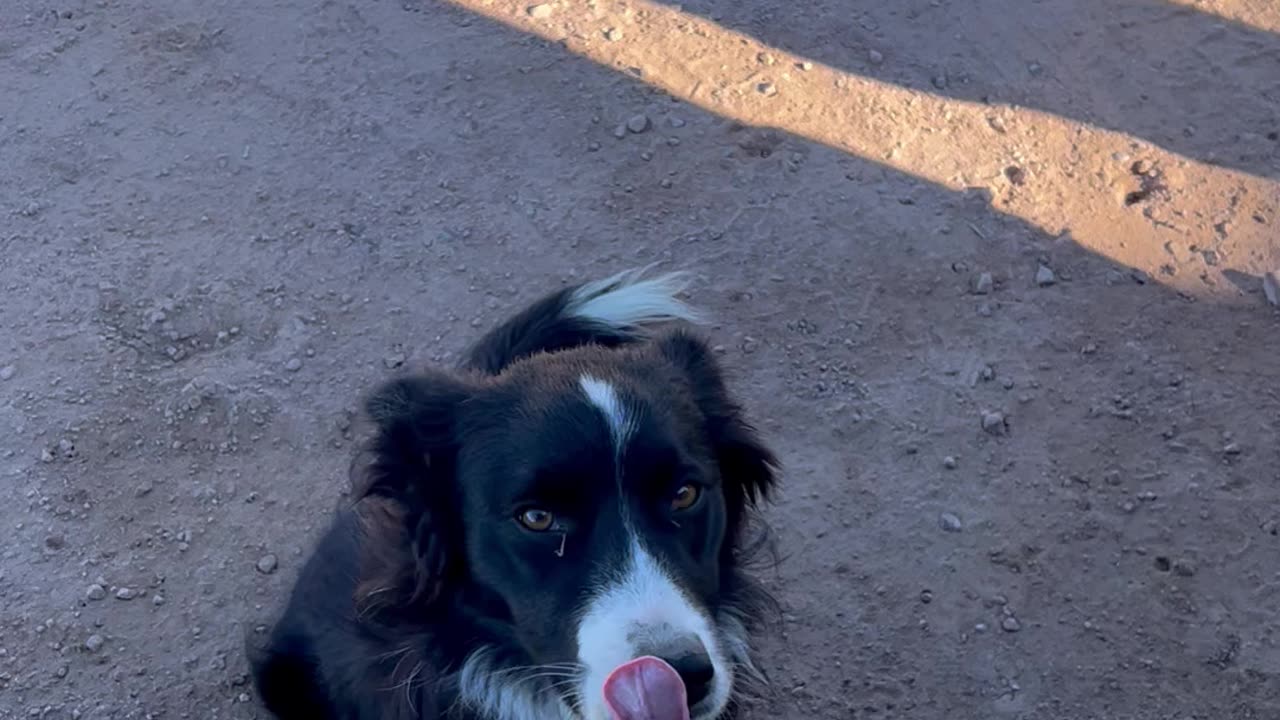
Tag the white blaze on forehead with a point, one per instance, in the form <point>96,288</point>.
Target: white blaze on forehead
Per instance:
<point>616,414</point>
<point>641,603</point>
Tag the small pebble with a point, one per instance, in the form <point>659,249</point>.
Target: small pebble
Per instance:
<point>267,564</point>
<point>157,600</point>
<point>541,11</point>
<point>1270,286</point>
<point>875,56</point>
<point>293,364</point>
<point>767,89</point>
<point>93,643</point>
<point>950,522</point>
<point>983,283</point>
<point>7,372</point>
<point>394,360</point>
<point>125,593</point>
<point>95,592</point>
<point>949,462</point>
<point>613,34</point>
<point>638,123</point>
<point>1044,276</point>
<point>940,82</point>
<point>994,423</point>
<point>620,131</point>
<point>1010,624</point>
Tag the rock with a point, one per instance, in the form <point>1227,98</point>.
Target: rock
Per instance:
<point>613,34</point>
<point>7,372</point>
<point>66,448</point>
<point>676,122</point>
<point>157,600</point>
<point>994,423</point>
<point>620,131</point>
<point>1270,286</point>
<point>541,11</point>
<point>46,455</point>
<point>1184,567</point>
<point>394,360</point>
<point>983,283</point>
<point>293,364</point>
<point>949,462</point>
<point>125,593</point>
<point>267,564</point>
<point>95,592</point>
<point>875,56</point>
<point>1045,276</point>
<point>940,82</point>
<point>94,643</point>
<point>1010,624</point>
<point>950,522</point>
<point>638,123</point>
<point>767,89</point>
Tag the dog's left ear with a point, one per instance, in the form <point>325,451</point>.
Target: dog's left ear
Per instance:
<point>748,469</point>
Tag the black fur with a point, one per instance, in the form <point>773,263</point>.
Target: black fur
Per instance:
<point>398,592</point>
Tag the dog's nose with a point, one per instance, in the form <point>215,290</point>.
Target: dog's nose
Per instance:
<point>697,672</point>
<point>689,658</point>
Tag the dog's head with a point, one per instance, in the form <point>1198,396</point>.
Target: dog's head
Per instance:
<point>577,512</point>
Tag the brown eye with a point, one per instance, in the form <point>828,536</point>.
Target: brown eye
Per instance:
<point>685,497</point>
<point>536,519</point>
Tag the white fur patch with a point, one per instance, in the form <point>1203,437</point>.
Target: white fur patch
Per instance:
<point>625,300</point>
<point>605,398</point>
<point>643,601</point>
<point>499,693</point>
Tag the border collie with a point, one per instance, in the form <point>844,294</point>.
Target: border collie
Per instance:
<point>552,531</point>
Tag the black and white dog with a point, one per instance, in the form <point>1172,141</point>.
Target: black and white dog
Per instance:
<point>552,532</point>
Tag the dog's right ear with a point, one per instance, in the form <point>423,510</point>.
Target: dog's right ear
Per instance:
<point>405,496</point>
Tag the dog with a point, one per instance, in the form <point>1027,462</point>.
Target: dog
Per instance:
<point>554,530</point>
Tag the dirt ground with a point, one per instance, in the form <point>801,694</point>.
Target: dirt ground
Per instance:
<point>988,273</point>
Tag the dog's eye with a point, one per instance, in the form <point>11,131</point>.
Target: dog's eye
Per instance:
<point>536,519</point>
<point>685,497</point>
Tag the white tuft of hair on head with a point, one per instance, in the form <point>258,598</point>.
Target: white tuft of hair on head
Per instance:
<point>628,299</point>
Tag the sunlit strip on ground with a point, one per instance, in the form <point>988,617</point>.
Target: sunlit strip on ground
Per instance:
<point>955,144</point>
<point>1258,14</point>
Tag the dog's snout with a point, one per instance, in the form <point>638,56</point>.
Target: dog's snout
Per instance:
<point>691,661</point>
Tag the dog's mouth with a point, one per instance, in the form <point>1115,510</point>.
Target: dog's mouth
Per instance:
<point>646,688</point>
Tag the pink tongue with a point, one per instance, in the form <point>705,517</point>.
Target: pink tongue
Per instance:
<point>646,688</point>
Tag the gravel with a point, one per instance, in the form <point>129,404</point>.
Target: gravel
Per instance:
<point>267,564</point>
<point>950,522</point>
<point>983,284</point>
<point>1270,287</point>
<point>995,423</point>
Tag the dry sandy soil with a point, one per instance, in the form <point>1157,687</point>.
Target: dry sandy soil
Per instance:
<point>1047,492</point>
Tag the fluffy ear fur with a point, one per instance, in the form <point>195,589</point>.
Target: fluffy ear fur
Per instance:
<point>405,496</point>
<point>747,468</point>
